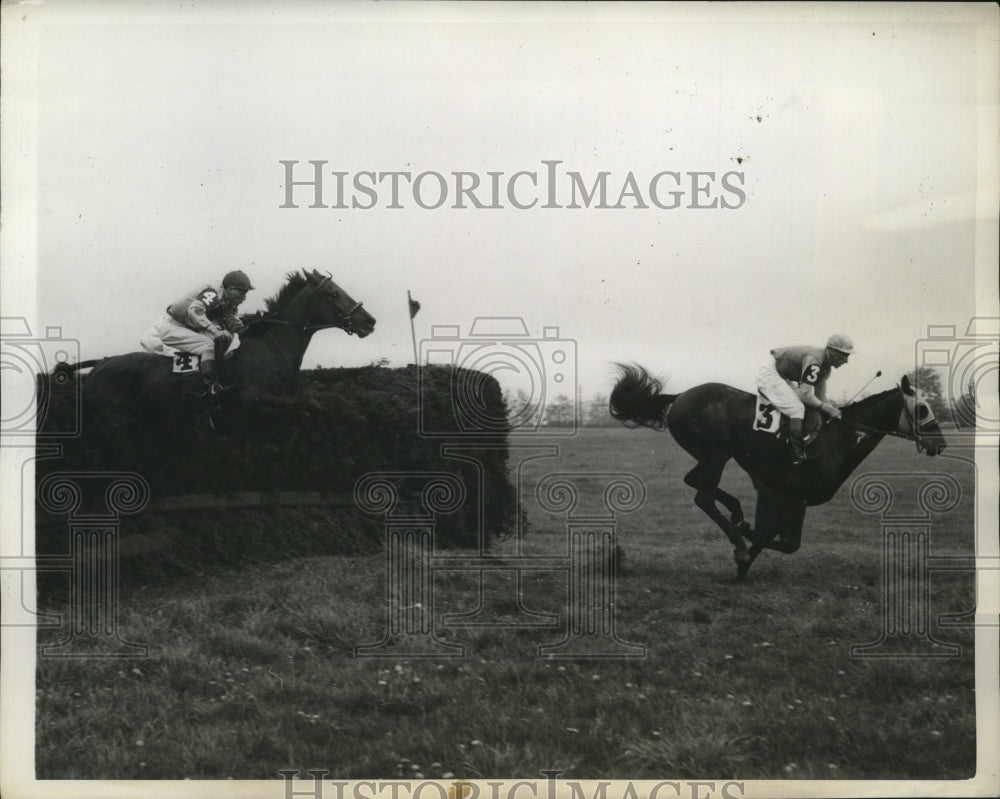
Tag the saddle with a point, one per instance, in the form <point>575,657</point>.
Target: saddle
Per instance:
<point>186,363</point>
<point>768,419</point>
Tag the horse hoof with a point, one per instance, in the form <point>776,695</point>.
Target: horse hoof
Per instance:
<point>745,530</point>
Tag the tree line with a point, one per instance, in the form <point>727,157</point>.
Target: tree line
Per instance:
<point>563,411</point>
<point>962,410</point>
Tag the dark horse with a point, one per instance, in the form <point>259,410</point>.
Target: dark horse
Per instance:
<point>713,422</point>
<point>261,376</point>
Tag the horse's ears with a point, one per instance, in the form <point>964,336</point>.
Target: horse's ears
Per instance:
<point>904,384</point>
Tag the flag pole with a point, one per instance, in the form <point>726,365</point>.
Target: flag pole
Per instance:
<point>413,332</point>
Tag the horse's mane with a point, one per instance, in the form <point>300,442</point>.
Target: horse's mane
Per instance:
<point>276,304</point>
<point>862,404</point>
<point>281,300</point>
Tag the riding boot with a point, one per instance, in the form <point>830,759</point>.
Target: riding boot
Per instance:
<point>208,374</point>
<point>795,438</point>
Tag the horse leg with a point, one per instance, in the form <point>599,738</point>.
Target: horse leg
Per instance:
<point>788,537</point>
<point>704,478</point>
<point>785,525</point>
<point>733,506</point>
<point>775,542</point>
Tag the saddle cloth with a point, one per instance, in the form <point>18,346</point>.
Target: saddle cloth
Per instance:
<point>768,419</point>
<point>183,362</point>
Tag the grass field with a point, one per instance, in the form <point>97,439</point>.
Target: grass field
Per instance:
<point>253,670</point>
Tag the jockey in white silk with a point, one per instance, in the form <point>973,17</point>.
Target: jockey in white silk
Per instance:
<point>202,322</point>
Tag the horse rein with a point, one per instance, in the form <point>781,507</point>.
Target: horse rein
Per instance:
<point>344,322</point>
<point>913,435</point>
<point>914,426</point>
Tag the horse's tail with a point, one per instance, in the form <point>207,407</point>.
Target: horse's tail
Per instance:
<point>637,399</point>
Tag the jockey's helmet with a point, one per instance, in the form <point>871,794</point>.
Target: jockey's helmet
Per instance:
<point>237,279</point>
<point>841,343</point>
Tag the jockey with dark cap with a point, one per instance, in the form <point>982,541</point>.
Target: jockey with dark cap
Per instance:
<point>794,377</point>
<point>200,322</point>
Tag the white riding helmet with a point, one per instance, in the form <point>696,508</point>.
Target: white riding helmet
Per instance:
<point>841,343</point>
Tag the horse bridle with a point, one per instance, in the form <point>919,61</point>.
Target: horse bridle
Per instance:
<point>345,322</point>
<point>913,435</point>
<point>915,426</point>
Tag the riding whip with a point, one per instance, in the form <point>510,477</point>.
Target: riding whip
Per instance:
<point>878,374</point>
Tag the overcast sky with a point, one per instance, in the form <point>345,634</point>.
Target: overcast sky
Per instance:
<point>153,139</point>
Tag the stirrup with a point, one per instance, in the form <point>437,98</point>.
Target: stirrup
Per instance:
<point>800,460</point>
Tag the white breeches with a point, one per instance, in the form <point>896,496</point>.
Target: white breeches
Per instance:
<point>166,336</point>
<point>779,391</point>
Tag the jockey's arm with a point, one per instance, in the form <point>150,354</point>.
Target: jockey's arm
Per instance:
<point>233,323</point>
<point>814,397</point>
<point>198,319</point>
<point>807,394</point>
<point>821,394</point>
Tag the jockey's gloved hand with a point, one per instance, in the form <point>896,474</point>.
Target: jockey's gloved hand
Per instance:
<point>830,409</point>
<point>219,334</point>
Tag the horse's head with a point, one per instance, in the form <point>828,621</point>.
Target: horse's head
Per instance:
<point>334,307</point>
<point>917,422</point>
